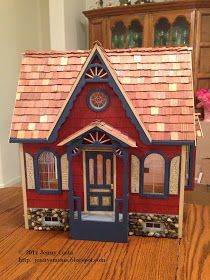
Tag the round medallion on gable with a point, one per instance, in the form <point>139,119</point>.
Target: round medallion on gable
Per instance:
<point>98,100</point>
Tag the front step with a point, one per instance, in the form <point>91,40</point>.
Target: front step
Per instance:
<point>99,231</point>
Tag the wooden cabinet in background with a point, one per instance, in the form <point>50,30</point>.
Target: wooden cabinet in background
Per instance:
<point>177,23</point>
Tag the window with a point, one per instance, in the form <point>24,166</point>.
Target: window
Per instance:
<point>51,221</point>
<point>97,100</point>
<point>153,226</point>
<point>154,174</point>
<point>48,171</point>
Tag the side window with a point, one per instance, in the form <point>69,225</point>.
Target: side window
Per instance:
<point>48,171</point>
<point>154,174</point>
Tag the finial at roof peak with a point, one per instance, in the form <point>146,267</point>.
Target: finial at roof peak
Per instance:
<point>97,43</point>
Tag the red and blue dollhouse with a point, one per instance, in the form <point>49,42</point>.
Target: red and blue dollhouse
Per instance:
<point>107,141</point>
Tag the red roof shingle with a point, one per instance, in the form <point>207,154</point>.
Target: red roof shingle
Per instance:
<point>157,81</point>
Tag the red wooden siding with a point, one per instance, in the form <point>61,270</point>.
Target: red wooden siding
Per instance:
<point>37,200</point>
<point>115,115</point>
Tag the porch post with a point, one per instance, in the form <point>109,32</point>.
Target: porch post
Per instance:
<point>71,192</point>
<point>125,186</point>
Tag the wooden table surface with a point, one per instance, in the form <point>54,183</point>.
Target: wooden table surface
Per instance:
<point>140,259</point>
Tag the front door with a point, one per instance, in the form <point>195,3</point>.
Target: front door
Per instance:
<point>99,181</point>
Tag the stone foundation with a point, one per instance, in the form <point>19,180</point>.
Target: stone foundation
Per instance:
<point>36,219</point>
<point>137,222</point>
<point>168,228</point>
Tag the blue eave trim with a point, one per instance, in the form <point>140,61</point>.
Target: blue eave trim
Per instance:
<point>32,141</point>
<point>173,142</point>
<point>154,142</point>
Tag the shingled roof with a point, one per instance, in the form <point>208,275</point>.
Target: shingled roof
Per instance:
<point>157,81</point>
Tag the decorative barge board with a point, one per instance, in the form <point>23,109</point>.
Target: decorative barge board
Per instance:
<point>103,134</point>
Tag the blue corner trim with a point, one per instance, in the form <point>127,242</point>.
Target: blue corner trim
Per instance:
<point>166,179</point>
<point>36,173</point>
<point>191,166</point>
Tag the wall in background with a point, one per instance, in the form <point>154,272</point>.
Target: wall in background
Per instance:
<point>23,25</point>
<point>34,25</point>
<point>67,24</point>
<point>75,25</point>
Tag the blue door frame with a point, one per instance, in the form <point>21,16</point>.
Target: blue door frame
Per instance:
<point>115,231</point>
<point>97,187</point>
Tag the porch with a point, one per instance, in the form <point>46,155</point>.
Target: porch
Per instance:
<point>98,211</point>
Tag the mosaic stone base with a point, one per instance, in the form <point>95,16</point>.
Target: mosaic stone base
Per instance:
<point>169,225</point>
<point>169,228</point>
<point>36,217</point>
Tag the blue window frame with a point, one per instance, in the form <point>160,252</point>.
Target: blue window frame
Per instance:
<point>47,167</point>
<point>154,182</point>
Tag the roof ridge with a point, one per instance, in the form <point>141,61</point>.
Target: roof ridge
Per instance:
<point>151,49</point>
<point>108,51</point>
<point>54,52</point>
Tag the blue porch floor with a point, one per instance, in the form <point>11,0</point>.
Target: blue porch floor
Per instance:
<point>109,217</point>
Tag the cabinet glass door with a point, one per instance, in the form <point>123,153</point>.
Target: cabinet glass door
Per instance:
<point>119,36</point>
<point>180,31</point>
<point>135,33</point>
<point>162,33</point>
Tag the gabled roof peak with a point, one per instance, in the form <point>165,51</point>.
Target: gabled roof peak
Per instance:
<point>157,83</point>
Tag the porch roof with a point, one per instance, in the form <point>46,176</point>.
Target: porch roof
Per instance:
<point>104,127</point>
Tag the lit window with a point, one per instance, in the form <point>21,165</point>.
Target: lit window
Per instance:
<point>48,171</point>
<point>154,174</point>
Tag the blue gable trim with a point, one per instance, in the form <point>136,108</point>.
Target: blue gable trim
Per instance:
<point>96,144</point>
<point>116,89</point>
